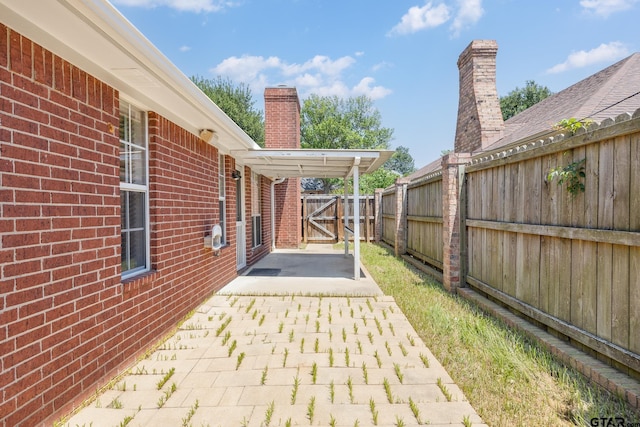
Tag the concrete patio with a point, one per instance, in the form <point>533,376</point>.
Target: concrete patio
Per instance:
<point>304,345</point>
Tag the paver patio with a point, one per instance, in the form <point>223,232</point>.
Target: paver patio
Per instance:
<point>244,360</point>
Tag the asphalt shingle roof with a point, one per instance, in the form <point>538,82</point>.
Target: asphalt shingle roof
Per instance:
<point>610,92</point>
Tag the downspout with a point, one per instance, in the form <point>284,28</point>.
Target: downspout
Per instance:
<point>273,211</point>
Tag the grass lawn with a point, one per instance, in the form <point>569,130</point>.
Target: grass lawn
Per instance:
<point>508,379</point>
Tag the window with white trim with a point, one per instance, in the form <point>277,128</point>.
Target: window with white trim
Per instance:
<point>256,210</point>
<point>134,191</point>
<point>222,203</point>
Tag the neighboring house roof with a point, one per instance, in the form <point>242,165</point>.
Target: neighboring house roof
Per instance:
<point>605,94</point>
<point>434,166</point>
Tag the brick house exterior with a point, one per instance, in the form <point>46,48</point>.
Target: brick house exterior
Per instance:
<point>68,319</point>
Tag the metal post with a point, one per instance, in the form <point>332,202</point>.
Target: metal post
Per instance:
<point>356,219</point>
<point>345,216</point>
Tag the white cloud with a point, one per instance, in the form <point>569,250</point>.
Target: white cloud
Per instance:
<point>603,53</point>
<point>469,12</point>
<point>320,75</point>
<point>185,48</point>
<point>420,18</point>
<point>182,5</point>
<point>382,65</point>
<point>374,92</point>
<point>607,7</point>
<point>465,13</point>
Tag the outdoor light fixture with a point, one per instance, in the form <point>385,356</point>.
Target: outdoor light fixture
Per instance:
<point>236,175</point>
<point>207,135</point>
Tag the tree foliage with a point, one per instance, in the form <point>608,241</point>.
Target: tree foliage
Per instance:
<point>520,99</point>
<point>236,100</point>
<point>330,122</point>
<point>333,123</point>
<point>401,162</point>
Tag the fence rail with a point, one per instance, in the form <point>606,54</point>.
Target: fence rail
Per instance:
<point>570,262</point>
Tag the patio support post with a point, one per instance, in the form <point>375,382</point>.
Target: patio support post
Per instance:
<point>400,244</point>
<point>356,219</point>
<point>345,216</point>
<point>377,211</point>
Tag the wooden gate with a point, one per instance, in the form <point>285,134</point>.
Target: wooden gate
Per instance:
<point>323,218</point>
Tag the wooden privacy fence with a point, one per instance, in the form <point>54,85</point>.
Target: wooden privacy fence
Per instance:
<point>424,220</point>
<point>323,218</point>
<point>571,263</point>
<point>388,229</point>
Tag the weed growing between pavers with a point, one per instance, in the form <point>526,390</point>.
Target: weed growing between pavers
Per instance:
<point>294,391</point>
<point>166,378</point>
<point>402,349</point>
<point>350,388</point>
<point>444,389</point>
<point>415,410</point>
<point>374,411</point>
<point>269,413</point>
<point>252,344</point>
<point>378,360</point>
<point>311,409</point>
<point>425,360</point>
<point>239,360</point>
<point>167,394</point>
<point>190,414</point>
<point>365,374</point>
<point>396,368</point>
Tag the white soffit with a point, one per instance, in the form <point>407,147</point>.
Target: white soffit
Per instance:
<point>290,163</point>
<point>94,36</point>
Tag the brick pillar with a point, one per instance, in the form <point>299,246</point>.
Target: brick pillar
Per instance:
<point>453,215</point>
<point>480,120</point>
<point>400,241</point>
<point>282,130</point>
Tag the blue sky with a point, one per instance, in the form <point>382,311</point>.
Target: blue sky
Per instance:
<point>401,53</point>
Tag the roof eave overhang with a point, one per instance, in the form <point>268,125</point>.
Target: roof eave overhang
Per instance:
<point>94,36</point>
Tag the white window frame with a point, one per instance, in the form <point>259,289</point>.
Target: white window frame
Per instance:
<point>256,210</point>
<point>222,199</point>
<point>139,188</point>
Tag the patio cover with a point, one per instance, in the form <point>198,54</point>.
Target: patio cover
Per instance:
<point>292,163</point>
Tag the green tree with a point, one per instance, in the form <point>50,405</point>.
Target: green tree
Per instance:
<point>236,100</point>
<point>330,122</point>
<point>520,99</point>
<point>381,178</point>
<point>401,162</point>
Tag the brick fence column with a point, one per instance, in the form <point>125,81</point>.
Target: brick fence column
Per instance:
<point>400,241</point>
<point>453,216</point>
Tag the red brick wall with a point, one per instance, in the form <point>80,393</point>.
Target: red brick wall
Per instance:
<point>67,323</point>
<point>282,130</point>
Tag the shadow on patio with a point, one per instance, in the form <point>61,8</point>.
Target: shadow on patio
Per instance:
<point>315,270</point>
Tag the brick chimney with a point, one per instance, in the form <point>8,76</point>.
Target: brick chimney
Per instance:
<point>479,116</point>
<point>282,130</point>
